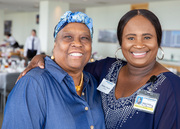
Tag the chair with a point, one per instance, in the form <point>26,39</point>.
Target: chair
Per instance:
<point>10,81</point>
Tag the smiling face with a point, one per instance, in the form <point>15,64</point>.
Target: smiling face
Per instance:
<point>139,42</point>
<point>72,48</point>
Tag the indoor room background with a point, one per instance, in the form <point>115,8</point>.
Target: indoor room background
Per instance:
<point>104,18</point>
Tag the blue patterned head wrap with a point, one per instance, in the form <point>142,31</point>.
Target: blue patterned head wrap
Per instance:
<point>70,17</point>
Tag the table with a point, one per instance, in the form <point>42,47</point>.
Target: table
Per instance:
<point>4,82</point>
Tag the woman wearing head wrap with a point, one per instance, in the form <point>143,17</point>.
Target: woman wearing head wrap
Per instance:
<point>140,76</point>
<point>61,96</point>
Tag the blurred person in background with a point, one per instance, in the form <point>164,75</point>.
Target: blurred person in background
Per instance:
<point>11,41</point>
<point>122,82</point>
<point>61,96</point>
<point>32,46</point>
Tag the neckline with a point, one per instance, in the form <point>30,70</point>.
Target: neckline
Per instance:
<point>133,94</point>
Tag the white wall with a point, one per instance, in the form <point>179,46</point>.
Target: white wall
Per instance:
<point>169,16</point>
<point>108,18</point>
<point>43,22</point>
<point>50,12</point>
<point>22,24</point>
<point>104,18</point>
<point>56,10</point>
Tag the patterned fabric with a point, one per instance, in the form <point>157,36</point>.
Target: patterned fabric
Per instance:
<point>120,114</point>
<point>117,112</point>
<point>70,17</point>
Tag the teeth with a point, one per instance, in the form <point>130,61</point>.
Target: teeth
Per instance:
<point>75,54</point>
<point>139,54</point>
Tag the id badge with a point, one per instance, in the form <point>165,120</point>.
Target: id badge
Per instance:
<point>105,86</point>
<point>146,101</point>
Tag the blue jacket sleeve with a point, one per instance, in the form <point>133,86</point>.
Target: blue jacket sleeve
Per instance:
<point>26,106</point>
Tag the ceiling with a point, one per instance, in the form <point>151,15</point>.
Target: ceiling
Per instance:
<point>33,5</point>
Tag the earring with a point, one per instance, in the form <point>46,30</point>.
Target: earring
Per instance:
<point>52,57</point>
<point>116,53</point>
<point>162,53</point>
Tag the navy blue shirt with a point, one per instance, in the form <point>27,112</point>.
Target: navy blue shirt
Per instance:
<point>47,99</point>
<point>120,114</point>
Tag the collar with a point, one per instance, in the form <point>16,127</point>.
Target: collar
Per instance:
<point>33,36</point>
<point>58,73</point>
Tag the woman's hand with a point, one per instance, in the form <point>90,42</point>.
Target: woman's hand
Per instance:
<point>37,61</point>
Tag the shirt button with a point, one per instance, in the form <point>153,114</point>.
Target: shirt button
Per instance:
<point>83,93</point>
<point>91,127</point>
<point>86,108</point>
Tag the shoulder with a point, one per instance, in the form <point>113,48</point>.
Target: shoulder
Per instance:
<point>35,78</point>
<point>168,80</point>
<point>32,84</point>
<point>107,60</point>
<point>35,83</point>
<point>173,81</point>
<point>99,63</point>
<point>11,37</point>
<point>37,38</point>
<point>172,78</point>
<point>36,72</point>
<point>169,85</point>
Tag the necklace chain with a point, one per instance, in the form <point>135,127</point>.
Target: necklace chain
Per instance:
<point>78,87</point>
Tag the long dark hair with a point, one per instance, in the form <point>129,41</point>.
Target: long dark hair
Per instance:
<point>147,14</point>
